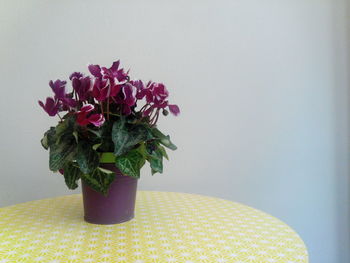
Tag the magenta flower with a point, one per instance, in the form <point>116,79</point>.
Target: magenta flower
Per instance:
<point>76,75</point>
<point>84,116</point>
<point>112,90</point>
<point>160,94</point>
<point>156,96</point>
<point>142,91</point>
<point>100,89</point>
<point>115,73</point>
<point>174,109</point>
<point>51,106</point>
<point>106,80</point>
<point>59,88</point>
<point>127,98</point>
<point>81,85</point>
<point>95,70</point>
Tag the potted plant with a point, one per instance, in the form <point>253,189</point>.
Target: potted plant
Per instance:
<point>104,137</point>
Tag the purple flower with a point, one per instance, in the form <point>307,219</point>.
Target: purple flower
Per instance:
<point>59,88</point>
<point>156,96</point>
<point>174,109</point>
<point>127,98</point>
<point>95,70</point>
<point>69,102</point>
<point>51,106</point>
<point>160,94</point>
<point>76,75</point>
<point>106,80</point>
<point>141,89</point>
<point>84,116</point>
<point>81,85</point>
<point>114,72</point>
<point>100,89</point>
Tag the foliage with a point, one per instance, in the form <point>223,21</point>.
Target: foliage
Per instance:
<point>101,115</point>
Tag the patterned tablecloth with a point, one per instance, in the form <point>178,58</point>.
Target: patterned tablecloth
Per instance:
<point>168,227</point>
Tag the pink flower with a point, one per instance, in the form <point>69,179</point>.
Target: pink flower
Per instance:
<point>127,98</point>
<point>160,93</point>
<point>174,109</point>
<point>156,95</point>
<point>81,85</point>
<point>59,88</point>
<point>100,89</point>
<point>84,116</point>
<point>114,72</point>
<point>51,106</point>
<point>107,80</point>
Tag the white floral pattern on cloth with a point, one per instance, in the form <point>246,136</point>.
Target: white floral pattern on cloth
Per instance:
<point>168,227</point>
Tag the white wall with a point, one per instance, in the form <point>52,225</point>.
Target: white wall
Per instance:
<point>262,85</point>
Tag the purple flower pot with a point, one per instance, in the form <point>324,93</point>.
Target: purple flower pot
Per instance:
<point>119,204</point>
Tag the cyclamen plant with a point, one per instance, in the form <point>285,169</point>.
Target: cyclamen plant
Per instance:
<point>101,114</point>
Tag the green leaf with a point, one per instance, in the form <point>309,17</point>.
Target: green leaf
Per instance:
<point>98,133</point>
<point>125,138</point>
<point>95,146</point>
<point>156,161</point>
<point>48,138</point>
<point>163,151</point>
<point>99,180</point>
<point>130,163</point>
<point>60,154</point>
<point>75,134</point>
<point>71,175</point>
<point>163,139</point>
<point>154,155</point>
<point>142,150</point>
<point>120,136</point>
<point>61,128</point>
<point>107,144</point>
<point>87,158</point>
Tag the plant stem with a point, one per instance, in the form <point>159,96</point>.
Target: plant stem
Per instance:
<point>59,116</point>
<point>114,114</point>
<point>155,117</point>
<point>155,122</point>
<point>108,109</point>
<point>144,107</point>
<point>101,104</point>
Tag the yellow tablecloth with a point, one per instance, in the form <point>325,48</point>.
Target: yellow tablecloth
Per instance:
<point>168,227</point>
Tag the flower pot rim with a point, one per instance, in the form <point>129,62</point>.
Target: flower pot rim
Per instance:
<point>107,157</point>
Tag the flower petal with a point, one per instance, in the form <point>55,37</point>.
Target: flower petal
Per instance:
<point>115,90</point>
<point>69,102</point>
<point>87,108</point>
<point>41,104</point>
<point>95,70</point>
<point>129,93</point>
<point>126,109</point>
<point>58,87</point>
<point>76,83</point>
<point>97,119</point>
<point>121,75</point>
<point>174,109</point>
<point>51,106</point>
<point>115,66</point>
<point>82,119</point>
<point>77,75</point>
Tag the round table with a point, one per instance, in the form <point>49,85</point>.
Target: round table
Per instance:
<point>168,227</point>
